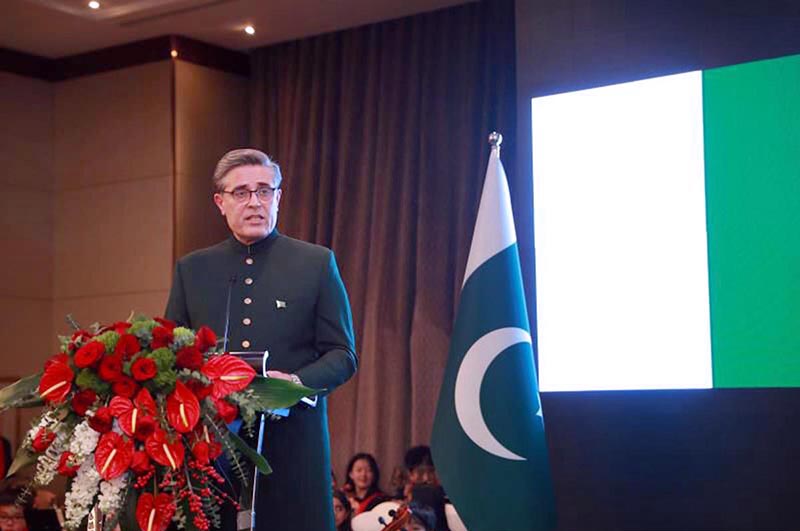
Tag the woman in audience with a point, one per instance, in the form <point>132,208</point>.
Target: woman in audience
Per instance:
<point>361,484</point>
<point>342,511</point>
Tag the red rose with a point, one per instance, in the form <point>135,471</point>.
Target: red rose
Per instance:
<point>143,369</point>
<point>125,386</point>
<point>89,354</point>
<point>110,368</point>
<point>42,440</point>
<point>205,339</point>
<point>166,323</point>
<point>101,421</point>
<point>162,337</point>
<point>189,358</point>
<point>127,346</point>
<point>200,389</point>
<point>120,327</point>
<point>200,451</point>
<point>64,468</point>
<point>83,400</point>
<point>226,411</point>
<point>140,464</point>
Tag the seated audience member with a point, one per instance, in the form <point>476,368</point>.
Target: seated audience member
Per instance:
<point>423,518</point>
<point>420,469</point>
<point>361,483</point>
<point>12,516</point>
<point>342,511</point>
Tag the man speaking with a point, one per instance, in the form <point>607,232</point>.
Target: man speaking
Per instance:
<point>285,296</point>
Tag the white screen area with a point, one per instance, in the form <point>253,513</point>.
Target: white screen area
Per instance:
<point>620,236</point>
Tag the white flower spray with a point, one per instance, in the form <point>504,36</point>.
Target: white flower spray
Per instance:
<point>79,499</point>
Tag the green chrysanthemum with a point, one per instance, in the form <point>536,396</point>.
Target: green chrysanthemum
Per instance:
<point>164,358</point>
<point>182,337</point>
<point>109,339</point>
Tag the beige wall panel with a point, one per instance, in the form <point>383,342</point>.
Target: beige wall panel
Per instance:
<point>26,233</point>
<point>26,135</point>
<point>115,238</point>
<point>27,339</point>
<point>107,309</point>
<point>211,118</point>
<point>114,126</point>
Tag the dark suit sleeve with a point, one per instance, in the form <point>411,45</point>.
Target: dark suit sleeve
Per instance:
<point>335,340</point>
<point>176,305</point>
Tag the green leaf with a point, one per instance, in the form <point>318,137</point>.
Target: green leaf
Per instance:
<point>23,458</point>
<point>127,513</point>
<point>250,453</point>
<point>21,391</point>
<point>274,393</point>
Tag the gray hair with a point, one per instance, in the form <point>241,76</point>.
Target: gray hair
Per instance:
<point>244,157</point>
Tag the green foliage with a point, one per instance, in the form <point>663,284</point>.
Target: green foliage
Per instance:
<point>182,337</point>
<point>22,393</point>
<point>164,381</point>
<point>109,339</point>
<point>88,379</point>
<point>143,329</point>
<point>274,393</point>
<point>164,358</point>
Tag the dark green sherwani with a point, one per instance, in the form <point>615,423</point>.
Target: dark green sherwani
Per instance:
<point>286,297</point>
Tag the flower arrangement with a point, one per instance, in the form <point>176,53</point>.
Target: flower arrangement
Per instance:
<point>135,414</point>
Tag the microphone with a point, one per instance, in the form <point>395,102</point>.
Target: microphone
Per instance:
<point>231,282</point>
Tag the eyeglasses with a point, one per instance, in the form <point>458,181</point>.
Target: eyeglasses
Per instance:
<point>242,195</point>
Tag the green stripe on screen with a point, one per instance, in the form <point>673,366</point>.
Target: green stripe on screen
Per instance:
<point>752,159</point>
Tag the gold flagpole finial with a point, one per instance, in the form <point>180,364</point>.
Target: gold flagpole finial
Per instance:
<point>495,139</point>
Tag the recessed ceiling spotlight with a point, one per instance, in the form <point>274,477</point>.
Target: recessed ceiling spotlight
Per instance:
<point>94,5</point>
<point>250,30</point>
<point>174,53</point>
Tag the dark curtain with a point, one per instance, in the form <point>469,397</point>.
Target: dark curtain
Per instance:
<point>381,133</point>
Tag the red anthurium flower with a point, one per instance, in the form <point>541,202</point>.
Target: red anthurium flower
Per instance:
<point>58,358</point>
<point>203,434</point>
<point>166,323</point>
<point>162,337</point>
<point>162,451</point>
<point>110,368</point>
<point>42,440</point>
<point>226,411</point>
<point>140,464</point>
<point>102,420</point>
<point>183,409</point>
<point>143,369</point>
<point>135,417</point>
<point>125,386</point>
<point>65,468</point>
<point>228,374</point>
<point>113,455</point>
<point>120,327</point>
<point>154,513</point>
<point>56,382</point>
<point>83,400</point>
<point>205,339</point>
<point>89,355</point>
<point>127,346</point>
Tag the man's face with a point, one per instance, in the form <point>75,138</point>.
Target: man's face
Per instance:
<point>12,518</point>
<point>423,475</point>
<point>253,219</point>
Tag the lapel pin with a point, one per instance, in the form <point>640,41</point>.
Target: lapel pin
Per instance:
<point>280,304</point>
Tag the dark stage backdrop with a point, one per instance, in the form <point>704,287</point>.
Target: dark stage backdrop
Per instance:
<point>381,133</point>
<point>659,460</point>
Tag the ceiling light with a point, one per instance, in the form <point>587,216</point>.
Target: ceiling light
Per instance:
<point>250,30</point>
<point>94,5</point>
<point>174,53</point>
